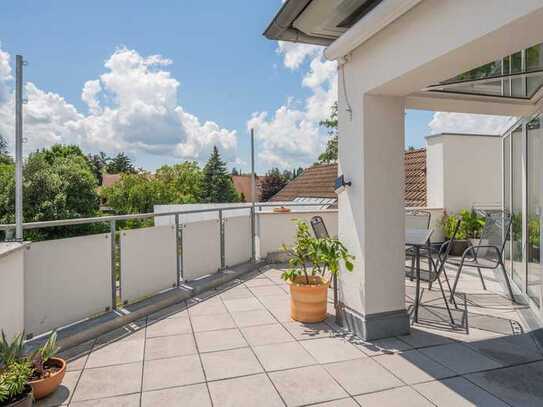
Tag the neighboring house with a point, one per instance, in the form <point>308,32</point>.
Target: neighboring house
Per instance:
<point>315,182</point>
<point>242,183</point>
<point>455,171</point>
<point>110,179</point>
<point>319,181</point>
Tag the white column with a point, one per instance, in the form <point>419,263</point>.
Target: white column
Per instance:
<point>371,214</point>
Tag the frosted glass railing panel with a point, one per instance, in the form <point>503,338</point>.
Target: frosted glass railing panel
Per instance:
<point>275,229</point>
<point>148,262</point>
<point>66,280</point>
<point>201,249</point>
<point>237,240</point>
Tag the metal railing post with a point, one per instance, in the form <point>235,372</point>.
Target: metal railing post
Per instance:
<point>177,251</point>
<point>221,235</point>
<point>113,266</point>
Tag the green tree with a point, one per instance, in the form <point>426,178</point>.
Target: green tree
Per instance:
<point>4,153</point>
<point>180,183</point>
<point>330,154</point>
<point>134,193</point>
<point>98,163</point>
<point>273,182</point>
<point>138,193</point>
<point>217,185</point>
<point>58,184</point>
<point>121,163</point>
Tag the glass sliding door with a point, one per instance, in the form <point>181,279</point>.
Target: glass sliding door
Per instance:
<point>517,252</point>
<point>534,134</point>
<point>507,195</point>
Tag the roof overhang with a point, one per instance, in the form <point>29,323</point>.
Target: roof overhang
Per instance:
<point>318,22</point>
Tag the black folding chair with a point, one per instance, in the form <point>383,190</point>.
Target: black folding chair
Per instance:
<point>416,219</point>
<point>319,228</point>
<point>320,231</point>
<point>442,256</point>
<point>488,254</point>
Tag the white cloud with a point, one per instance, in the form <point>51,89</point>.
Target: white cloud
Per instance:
<point>291,136</point>
<point>445,122</point>
<point>90,90</point>
<point>294,54</point>
<point>133,107</point>
<point>5,75</point>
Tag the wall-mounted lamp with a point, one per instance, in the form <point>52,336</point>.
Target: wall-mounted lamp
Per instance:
<point>341,184</point>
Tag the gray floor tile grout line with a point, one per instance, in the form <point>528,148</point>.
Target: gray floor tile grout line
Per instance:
<point>143,361</point>
<point>318,364</point>
<point>256,357</point>
<point>324,364</point>
<point>200,359</point>
<point>485,390</point>
<point>94,347</point>
<point>81,373</point>
<point>104,398</point>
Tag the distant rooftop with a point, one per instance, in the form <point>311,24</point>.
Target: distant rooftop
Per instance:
<point>319,180</point>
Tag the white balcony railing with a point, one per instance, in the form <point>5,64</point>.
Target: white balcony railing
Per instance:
<point>55,283</point>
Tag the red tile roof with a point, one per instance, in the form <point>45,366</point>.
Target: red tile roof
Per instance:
<point>110,179</point>
<point>318,181</point>
<point>415,178</point>
<point>315,182</point>
<point>242,183</point>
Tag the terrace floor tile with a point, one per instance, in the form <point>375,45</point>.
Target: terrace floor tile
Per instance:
<point>297,392</point>
<point>108,381</point>
<point>230,363</point>
<point>254,390</point>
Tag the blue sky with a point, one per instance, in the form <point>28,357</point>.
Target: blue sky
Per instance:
<point>225,69</point>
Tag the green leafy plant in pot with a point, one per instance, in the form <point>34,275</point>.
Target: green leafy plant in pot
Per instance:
<point>471,225</point>
<point>15,371</point>
<point>312,262</point>
<point>46,370</point>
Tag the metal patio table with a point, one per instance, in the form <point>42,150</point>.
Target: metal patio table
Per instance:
<point>417,238</point>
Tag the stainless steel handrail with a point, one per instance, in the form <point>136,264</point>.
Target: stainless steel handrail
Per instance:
<point>116,218</point>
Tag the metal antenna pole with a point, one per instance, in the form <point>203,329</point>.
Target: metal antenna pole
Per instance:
<point>19,148</point>
<point>253,197</point>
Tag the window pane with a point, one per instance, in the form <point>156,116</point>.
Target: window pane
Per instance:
<point>507,195</point>
<point>516,228</point>
<point>535,200</point>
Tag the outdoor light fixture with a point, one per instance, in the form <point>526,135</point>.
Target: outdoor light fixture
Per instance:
<point>341,184</point>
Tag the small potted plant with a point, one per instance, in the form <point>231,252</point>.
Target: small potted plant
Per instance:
<point>312,262</point>
<point>14,388</point>
<point>471,225</point>
<point>48,370</point>
<point>15,371</point>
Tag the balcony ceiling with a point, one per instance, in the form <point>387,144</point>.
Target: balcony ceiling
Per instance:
<point>317,22</point>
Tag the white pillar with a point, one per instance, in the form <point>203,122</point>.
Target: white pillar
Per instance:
<point>371,214</point>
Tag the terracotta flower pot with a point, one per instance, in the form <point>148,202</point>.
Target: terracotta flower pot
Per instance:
<point>282,209</point>
<point>308,302</point>
<point>44,387</point>
<point>25,400</point>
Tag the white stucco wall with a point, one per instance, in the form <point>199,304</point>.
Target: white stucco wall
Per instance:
<point>463,171</point>
<point>11,288</point>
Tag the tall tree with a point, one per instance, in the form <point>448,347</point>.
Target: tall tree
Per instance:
<point>273,182</point>
<point>121,163</point>
<point>330,153</point>
<point>217,185</point>
<point>98,163</point>
<point>235,172</point>
<point>58,184</point>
